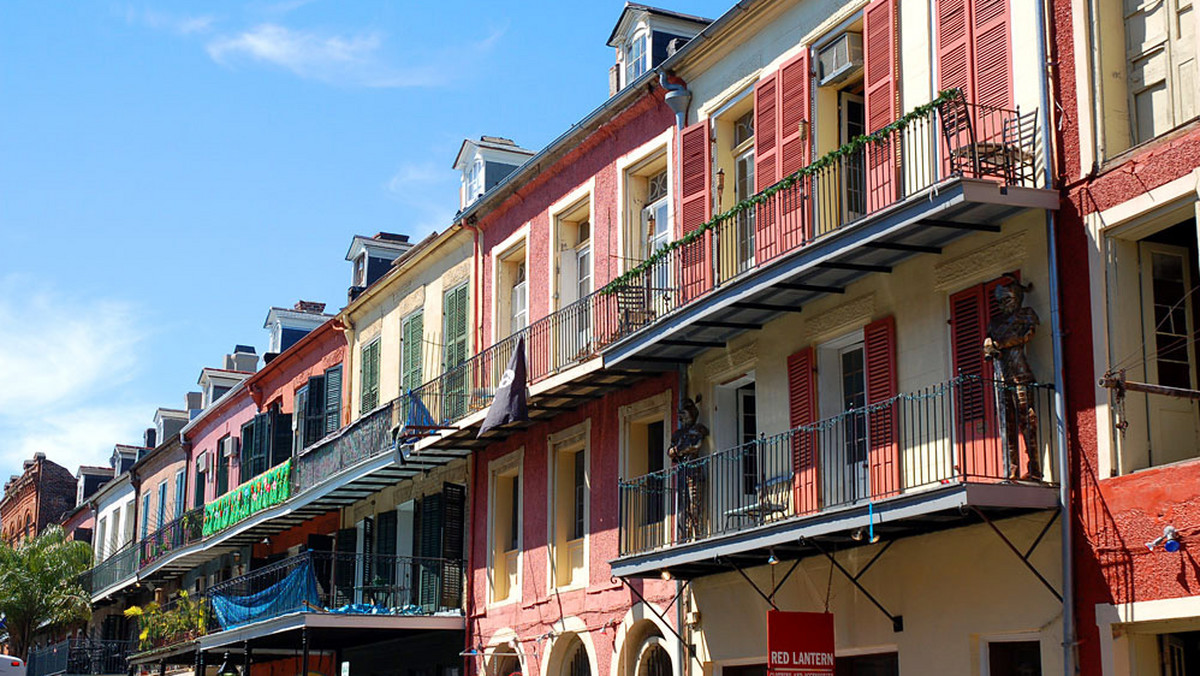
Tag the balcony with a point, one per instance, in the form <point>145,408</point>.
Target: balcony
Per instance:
<point>178,532</point>
<point>80,656</point>
<point>338,470</point>
<point>111,573</point>
<point>946,170</point>
<point>921,461</point>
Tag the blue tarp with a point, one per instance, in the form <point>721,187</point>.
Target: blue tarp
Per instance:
<point>297,591</point>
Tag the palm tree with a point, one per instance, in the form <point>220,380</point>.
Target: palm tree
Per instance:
<point>39,585</point>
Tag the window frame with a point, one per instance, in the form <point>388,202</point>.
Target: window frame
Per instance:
<point>562,447</point>
<point>508,467</point>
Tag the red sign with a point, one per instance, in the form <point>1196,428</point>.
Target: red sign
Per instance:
<point>799,644</point>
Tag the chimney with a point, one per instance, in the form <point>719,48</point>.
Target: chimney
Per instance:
<point>150,439</point>
<point>309,306</point>
<point>244,358</point>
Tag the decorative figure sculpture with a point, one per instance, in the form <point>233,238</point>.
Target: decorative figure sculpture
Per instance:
<point>685,447</point>
<point>1008,334</point>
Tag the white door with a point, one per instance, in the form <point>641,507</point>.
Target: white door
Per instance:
<point>1170,355</point>
<point>852,114</point>
<point>854,426</point>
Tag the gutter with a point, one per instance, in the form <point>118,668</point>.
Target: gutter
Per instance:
<point>1060,405</point>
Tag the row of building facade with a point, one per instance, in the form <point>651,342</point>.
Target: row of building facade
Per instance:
<point>882,309</point>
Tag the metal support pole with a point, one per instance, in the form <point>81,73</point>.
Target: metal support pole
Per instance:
<point>897,620</point>
<point>200,668</point>
<point>691,650</point>
<point>162,668</point>
<point>304,646</point>
<point>1016,551</point>
<point>246,658</point>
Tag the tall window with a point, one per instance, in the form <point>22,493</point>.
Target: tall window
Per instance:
<point>1160,40</point>
<point>519,301</point>
<point>568,520</point>
<point>369,377</point>
<point>505,518</point>
<point>162,504</point>
<point>146,515</point>
<point>475,180</point>
<point>202,479</point>
<point>222,458</point>
<point>180,491</point>
<point>743,187</point>
<point>635,57</point>
<point>454,352</point>
<point>412,330</point>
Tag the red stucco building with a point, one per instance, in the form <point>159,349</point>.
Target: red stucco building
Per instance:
<point>36,498</point>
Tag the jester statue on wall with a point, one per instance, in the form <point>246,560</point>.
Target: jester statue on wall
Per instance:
<point>685,447</point>
<point>1009,331</point>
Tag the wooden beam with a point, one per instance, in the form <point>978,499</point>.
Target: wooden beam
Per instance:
<point>982,227</point>
<point>692,343</point>
<point>714,324</point>
<point>897,246</point>
<point>770,307</point>
<point>856,267</point>
<point>815,288</point>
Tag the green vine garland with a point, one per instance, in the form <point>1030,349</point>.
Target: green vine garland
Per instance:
<point>879,136</point>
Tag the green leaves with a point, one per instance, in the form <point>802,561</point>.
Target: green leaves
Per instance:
<point>855,145</point>
<point>39,586</point>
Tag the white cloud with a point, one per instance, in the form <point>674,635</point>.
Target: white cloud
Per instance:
<point>65,364</point>
<point>184,25</point>
<point>424,188</point>
<point>335,59</point>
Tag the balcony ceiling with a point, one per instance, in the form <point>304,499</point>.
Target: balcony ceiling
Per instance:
<point>913,514</point>
<point>920,225</point>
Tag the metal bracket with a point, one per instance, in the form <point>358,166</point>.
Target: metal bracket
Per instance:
<point>769,599</point>
<point>897,620</point>
<point>661,616</point>
<point>1025,557</point>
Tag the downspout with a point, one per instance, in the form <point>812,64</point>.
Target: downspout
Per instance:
<point>1060,429</point>
<point>477,292</point>
<point>470,573</point>
<point>680,616</point>
<point>678,98</point>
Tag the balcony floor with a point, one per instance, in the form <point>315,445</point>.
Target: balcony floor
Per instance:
<point>918,225</point>
<point>908,515</point>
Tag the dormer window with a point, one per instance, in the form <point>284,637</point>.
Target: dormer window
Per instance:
<point>635,57</point>
<point>475,179</point>
<point>360,270</point>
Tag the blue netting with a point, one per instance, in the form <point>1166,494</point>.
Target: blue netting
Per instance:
<point>418,421</point>
<point>297,591</point>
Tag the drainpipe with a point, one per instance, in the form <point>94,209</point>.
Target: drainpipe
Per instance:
<point>683,654</point>
<point>477,292</point>
<point>1060,429</point>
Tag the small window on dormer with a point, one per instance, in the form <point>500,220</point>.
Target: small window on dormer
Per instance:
<point>360,270</point>
<point>475,179</point>
<point>635,57</point>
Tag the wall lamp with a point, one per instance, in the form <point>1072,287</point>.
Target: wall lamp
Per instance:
<point>1169,540</point>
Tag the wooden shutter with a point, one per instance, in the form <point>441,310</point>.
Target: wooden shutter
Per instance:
<point>369,378</point>
<point>974,417</point>
<point>695,204</point>
<point>879,353</point>
<point>345,560</point>
<point>333,399</point>
<point>300,409</point>
<point>368,551</point>
<point>247,457</point>
<point>766,166</point>
<point>880,62</point>
<point>795,143</point>
<point>414,335</point>
<point>454,527</point>
<point>455,314</point>
<point>802,399</point>
<point>430,567</point>
<point>281,437</point>
<point>313,425</point>
<point>954,47</point>
<point>385,547</point>
<point>992,53</point>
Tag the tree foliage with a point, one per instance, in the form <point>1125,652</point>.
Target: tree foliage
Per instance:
<point>39,585</point>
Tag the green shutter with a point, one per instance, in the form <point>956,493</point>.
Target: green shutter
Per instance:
<point>369,371</point>
<point>455,317</point>
<point>299,408</point>
<point>312,428</point>
<point>333,399</point>
<point>412,375</point>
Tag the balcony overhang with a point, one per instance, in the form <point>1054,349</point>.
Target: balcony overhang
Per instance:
<point>920,224</point>
<point>344,488</point>
<point>916,513</point>
<point>553,396</point>
<point>327,630</point>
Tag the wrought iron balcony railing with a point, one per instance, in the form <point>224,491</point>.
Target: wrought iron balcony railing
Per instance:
<point>367,437</point>
<point>339,583</point>
<point>179,532</point>
<point>121,565</point>
<point>80,656</point>
<point>956,432</point>
<point>949,137</point>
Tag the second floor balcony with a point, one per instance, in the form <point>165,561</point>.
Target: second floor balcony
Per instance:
<point>114,572</point>
<point>921,461</point>
<point>80,656</point>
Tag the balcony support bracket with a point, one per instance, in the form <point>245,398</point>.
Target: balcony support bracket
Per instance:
<point>897,620</point>
<point>769,599</point>
<point>1024,557</point>
<point>663,615</point>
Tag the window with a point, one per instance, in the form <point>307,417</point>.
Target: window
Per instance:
<point>505,522</point>
<point>180,492</point>
<point>1160,58</point>
<point>518,300</point>
<point>743,188</point>
<point>146,515</point>
<point>747,432</point>
<point>219,391</point>
<point>162,505</point>
<point>455,310</point>
<point>360,270</point>
<point>101,534</point>
<point>636,57</point>
<point>1156,343</point>
<point>202,479</point>
<point>512,295</point>
<point>266,442</point>
<point>369,377</point>
<point>475,176</point>
<point>222,458</point>
<point>1017,658</point>
<point>731,177</point>
<point>880,664</point>
<point>568,505</point>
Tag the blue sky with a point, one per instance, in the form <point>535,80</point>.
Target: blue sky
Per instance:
<point>170,171</point>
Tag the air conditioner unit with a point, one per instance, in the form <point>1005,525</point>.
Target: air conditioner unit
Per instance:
<point>840,59</point>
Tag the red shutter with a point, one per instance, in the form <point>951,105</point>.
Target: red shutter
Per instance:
<point>954,47</point>
<point>795,143</point>
<point>766,164</point>
<point>802,395</point>
<point>975,419</point>
<point>993,56</point>
<point>879,348</point>
<point>695,203</point>
<point>880,44</point>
